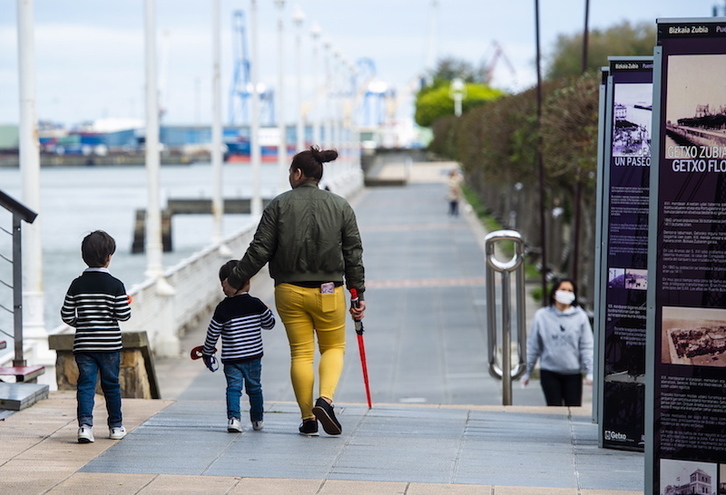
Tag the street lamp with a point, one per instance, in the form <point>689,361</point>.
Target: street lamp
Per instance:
<point>298,17</point>
<point>315,33</point>
<point>457,91</point>
<point>153,210</point>
<point>255,151</point>
<point>32,264</point>
<point>328,83</point>
<point>348,94</point>
<point>354,118</point>
<point>218,195</point>
<point>282,143</point>
<point>335,99</point>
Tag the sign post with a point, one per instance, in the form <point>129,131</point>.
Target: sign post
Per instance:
<point>686,318</point>
<point>623,276</point>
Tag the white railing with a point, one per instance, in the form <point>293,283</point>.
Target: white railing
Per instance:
<point>190,289</point>
<point>166,308</point>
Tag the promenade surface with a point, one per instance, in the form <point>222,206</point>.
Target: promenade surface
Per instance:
<point>437,425</point>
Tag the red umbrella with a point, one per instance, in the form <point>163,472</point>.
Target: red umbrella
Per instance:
<point>361,345</point>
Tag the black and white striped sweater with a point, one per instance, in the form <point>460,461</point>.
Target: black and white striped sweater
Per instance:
<point>239,320</point>
<point>94,304</point>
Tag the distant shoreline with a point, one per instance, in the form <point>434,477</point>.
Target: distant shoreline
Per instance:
<point>48,160</point>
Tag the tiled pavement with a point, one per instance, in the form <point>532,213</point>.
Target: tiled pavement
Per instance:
<point>436,426</point>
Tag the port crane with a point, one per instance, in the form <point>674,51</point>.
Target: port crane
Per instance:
<point>492,64</point>
<point>241,88</point>
<point>374,93</point>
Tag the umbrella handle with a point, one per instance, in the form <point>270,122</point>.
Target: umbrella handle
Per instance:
<point>355,302</point>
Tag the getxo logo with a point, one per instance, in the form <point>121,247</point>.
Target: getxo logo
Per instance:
<point>616,436</point>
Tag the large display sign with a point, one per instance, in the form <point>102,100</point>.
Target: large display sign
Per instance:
<point>624,277</point>
<point>686,341</point>
<point>602,156</point>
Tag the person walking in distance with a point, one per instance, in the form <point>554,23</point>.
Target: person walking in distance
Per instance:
<point>453,192</point>
<point>239,319</point>
<point>310,239</point>
<point>561,338</point>
<point>94,304</point>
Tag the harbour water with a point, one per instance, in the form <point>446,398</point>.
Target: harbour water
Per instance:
<point>77,200</point>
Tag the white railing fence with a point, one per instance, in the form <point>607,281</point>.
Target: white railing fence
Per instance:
<point>167,308</point>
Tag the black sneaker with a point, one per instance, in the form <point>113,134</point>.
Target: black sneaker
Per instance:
<point>324,412</point>
<point>309,427</point>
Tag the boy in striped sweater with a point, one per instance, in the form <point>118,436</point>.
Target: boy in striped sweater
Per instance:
<point>94,304</point>
<point>239,320</point>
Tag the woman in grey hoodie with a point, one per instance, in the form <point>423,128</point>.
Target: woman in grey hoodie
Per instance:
<point>561,338</point>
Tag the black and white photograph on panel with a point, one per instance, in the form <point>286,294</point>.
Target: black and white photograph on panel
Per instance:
<point>696,106</point>
<point>632,111</point>
<point>681,477</point>
<point>636,279</point>
<point>694,336</point>
<point>616,277</point>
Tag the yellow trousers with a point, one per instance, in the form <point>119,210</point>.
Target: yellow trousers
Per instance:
<point>306,313</point>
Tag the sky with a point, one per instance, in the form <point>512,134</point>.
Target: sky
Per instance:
<point>89,54</point>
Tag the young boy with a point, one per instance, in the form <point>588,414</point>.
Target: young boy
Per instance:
<point>239,318</point>
<point>94,304</point>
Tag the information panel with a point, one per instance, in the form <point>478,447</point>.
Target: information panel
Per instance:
<point>603,152</point>
<point>686,341</point>
<point>625,266</point>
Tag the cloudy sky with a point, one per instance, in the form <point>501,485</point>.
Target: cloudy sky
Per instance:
<point>90,53</point>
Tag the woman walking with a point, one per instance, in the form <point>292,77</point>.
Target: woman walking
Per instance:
<point>310,239</point>
<point>561,338</point>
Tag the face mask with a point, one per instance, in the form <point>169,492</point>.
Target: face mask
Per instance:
<point>564,297</point>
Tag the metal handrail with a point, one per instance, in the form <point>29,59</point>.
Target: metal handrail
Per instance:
<point>20,213</point>
<point>505,268</point>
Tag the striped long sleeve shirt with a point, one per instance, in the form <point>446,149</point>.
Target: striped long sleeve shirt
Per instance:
<point>94,304</point>
<point>239,320</point>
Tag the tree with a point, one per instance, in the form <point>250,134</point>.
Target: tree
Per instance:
<point>621,39</point>
<point>449,67</point>
<point>434,101</point>
<point>437,102</point>
<point>569,128</point>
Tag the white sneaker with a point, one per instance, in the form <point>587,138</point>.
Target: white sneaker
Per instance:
<point>234,426</point>
<point>117,433</point>
<point>85,434</point>
<point>258,425</point>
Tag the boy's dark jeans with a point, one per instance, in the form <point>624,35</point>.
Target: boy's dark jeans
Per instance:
<point>247,374</point>
<point>90,364</point>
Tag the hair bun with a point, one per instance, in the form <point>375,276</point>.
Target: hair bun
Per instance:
<point>323,156</point>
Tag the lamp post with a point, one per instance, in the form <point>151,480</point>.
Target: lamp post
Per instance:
<point>153,213</point>
<point>298,17</point>
<point>315,33</point>
<point>354,118</point>
<point>29,151</point>
<point>256,203</point>
<point>217,200</point>
<point>328,82</point>
<point>457,91</point>
<point>337,64</point>
<point>346,85</point>
<point>540,161</point>
<point>282,142</point>
<point>167,341</point>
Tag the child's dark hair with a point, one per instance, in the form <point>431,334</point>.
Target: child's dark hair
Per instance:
<point>310,161</point>
<point>226,270</point>
<point>96,248</point>
<point>556,285</point>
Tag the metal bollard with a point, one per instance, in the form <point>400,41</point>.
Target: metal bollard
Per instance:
<point>516,265</point>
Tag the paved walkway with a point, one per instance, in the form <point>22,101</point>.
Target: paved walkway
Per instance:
<point>436,425</point>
